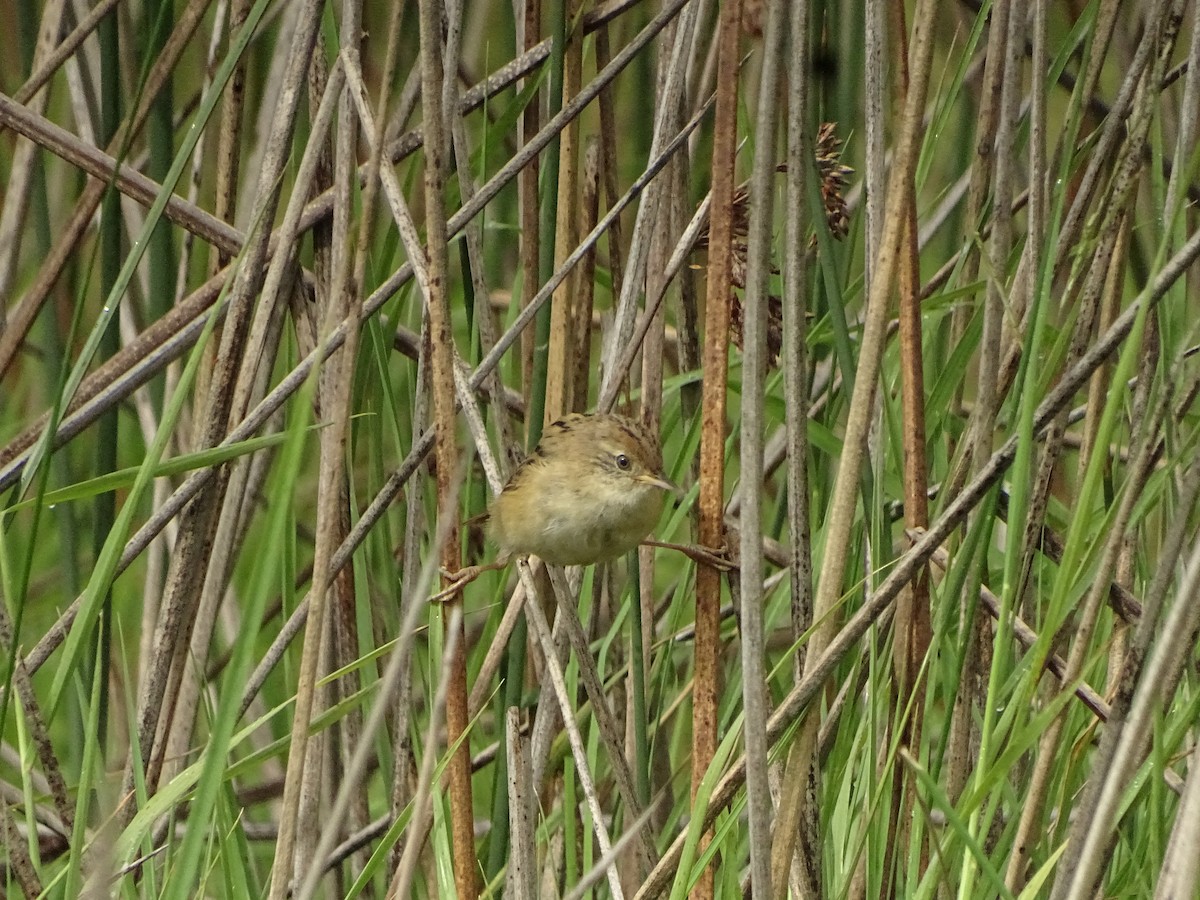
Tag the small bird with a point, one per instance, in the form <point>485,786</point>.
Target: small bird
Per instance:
<point>589,492</point>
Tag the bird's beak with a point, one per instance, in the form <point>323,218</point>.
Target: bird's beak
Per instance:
<point>659,481</point>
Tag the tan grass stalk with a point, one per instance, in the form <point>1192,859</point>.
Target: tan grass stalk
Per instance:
<point>562,315</point>
<point>441,339</point>
<point>755,356</point>
<point>796,390</point>
<point>15,205</point>
<point>528,31</point>
<point>608,164</point>
<point>710,529</point>
<point>585,292</point>
<point>521,878</point>
<point>912,628</point>
<point>541,630</point>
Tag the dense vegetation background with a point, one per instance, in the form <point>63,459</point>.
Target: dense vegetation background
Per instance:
<point>287,287</point>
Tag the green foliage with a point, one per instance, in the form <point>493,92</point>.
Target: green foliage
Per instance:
<point>115,781</point>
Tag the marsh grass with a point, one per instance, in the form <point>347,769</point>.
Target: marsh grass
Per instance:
<point>265,354</point>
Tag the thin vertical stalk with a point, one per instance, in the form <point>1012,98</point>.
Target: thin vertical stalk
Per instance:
<point>110,267</point>
<point>1038,227</point>
<point>441,338</point>
<point>547,217</point>
<point>875,122</point>
<point>669,114</point>
<point>302,781</point>
<point>24,177</point>
<point>711,525</point>
<point>24,210</point>
<point>521,878</point>
<point>414,527</point>
<point>638,718</point>
<point>662,238</point>
<point>528,32</point>
<point>1005,43</point>
<point>912,621</point>
<point>756,705</point>
<point>529,20</point>
<point>159,130</point>
<point>566,231</point>
<point>479,315</point>
<point>555,669</point>
<point>795,380</point>
<point>605,721</point>
<point>609,159</point>
<point>159,551</point>
<point>585,294</point>
<point>229,136</point>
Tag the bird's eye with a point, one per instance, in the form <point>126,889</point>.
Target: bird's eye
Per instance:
<point>622,461</point>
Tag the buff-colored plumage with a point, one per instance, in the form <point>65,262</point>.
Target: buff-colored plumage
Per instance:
<point>591,491</point>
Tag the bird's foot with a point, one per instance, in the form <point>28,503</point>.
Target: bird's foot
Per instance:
<point>460,579</point>
<point>718,557</point>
